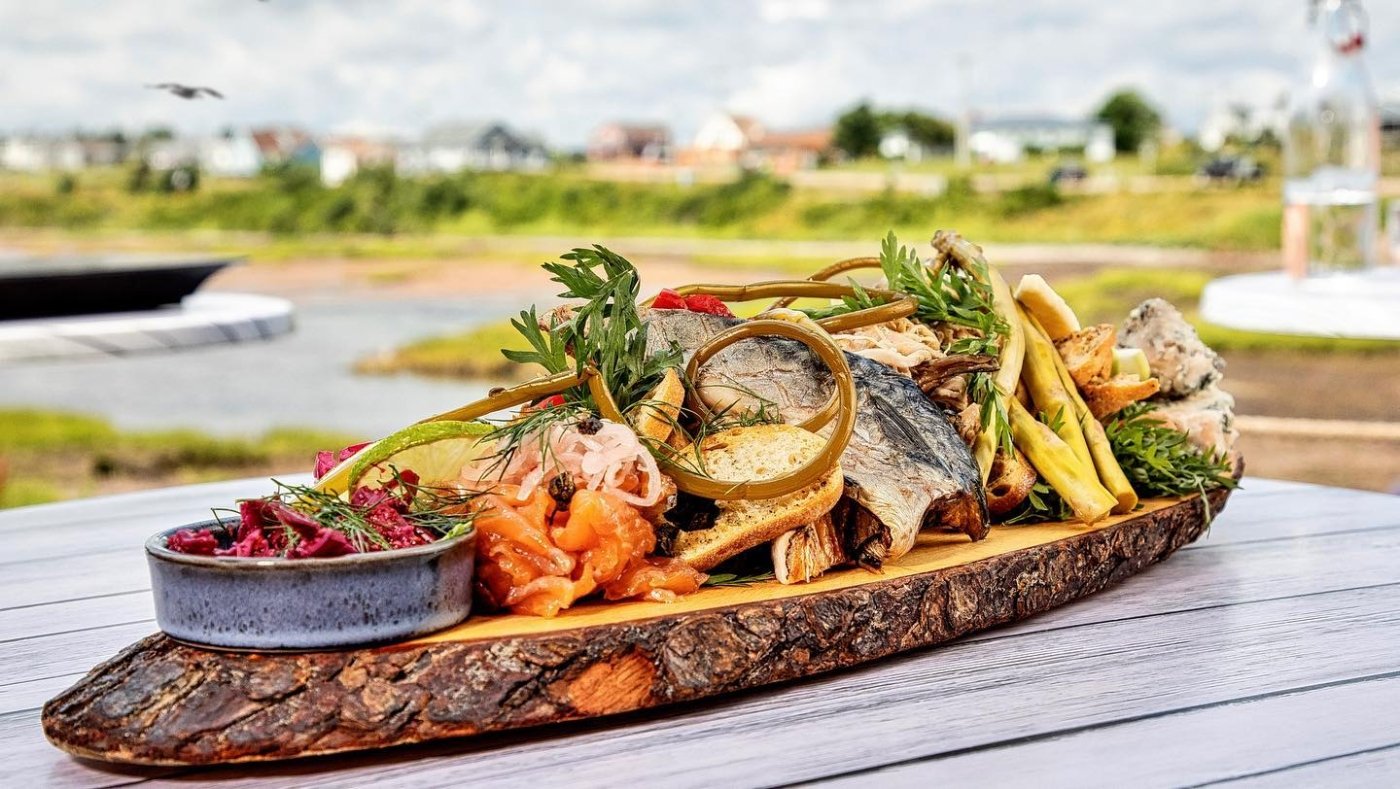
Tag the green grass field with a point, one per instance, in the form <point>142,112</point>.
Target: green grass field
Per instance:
<point>54,455</point>
<point>378,214</point>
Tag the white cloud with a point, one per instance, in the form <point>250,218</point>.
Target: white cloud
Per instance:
<point>561,68</point>
<point>774,11</point>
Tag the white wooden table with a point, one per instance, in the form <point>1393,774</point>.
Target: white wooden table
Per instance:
<point>1266,654</point>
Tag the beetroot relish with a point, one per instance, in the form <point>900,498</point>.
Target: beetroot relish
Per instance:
<point>327,460</point>
<point>200,542</point>
<point>271,528</point>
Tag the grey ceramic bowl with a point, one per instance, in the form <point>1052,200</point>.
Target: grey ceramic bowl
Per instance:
<point>262,604</point>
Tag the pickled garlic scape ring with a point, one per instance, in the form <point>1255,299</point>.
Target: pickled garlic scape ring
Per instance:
<point>898,305</point>
<point>533,390</point>
<point>842,406</point>
<point>824,275</point>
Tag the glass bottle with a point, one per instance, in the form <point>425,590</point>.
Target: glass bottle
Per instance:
<point>1332,151</point>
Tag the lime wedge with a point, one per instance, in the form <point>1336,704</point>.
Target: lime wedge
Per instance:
<point>435,451</point>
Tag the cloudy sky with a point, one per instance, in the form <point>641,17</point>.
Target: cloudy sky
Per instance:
<point>559,68</point>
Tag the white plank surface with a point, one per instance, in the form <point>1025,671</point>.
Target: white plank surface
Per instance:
<point>1267,652</point>
<point>1191,747</point>
<point>1362,770</point>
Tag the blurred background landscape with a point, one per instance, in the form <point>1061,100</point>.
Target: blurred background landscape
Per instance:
<point>399,173</point>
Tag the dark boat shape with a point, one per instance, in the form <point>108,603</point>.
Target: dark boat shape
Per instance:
<point>905,466</point>
<point>60,286</point>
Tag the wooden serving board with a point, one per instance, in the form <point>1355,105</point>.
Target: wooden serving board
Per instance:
<point>162,702</point>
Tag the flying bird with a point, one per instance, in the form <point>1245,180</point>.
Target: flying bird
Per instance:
<point>186,91</point>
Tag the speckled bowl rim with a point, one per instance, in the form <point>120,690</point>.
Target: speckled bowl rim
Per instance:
<point>155,547</point>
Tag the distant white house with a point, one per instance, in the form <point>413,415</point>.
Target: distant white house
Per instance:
<point>897,144</point>
<point>342,157</point>
<point>1241,121</point>
<point>1010,139</point>
<point>472,146</point>
<point>172,153</point>
<point>35,153</point>
<point>726,136</point>
<point>234,154</point>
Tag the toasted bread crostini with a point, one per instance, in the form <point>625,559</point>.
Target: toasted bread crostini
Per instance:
<point>757,452</point>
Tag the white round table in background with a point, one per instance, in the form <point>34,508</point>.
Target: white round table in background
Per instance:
<point>1363,306</point>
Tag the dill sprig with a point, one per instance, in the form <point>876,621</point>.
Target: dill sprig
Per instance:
<point>511,434</point>
<point>693,429</point>
<point>1161,461</point>
<point>605,331</point>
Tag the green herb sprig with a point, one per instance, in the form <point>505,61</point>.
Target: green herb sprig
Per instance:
<point>946,294</point>
<point>1042,505</point>
<point>605,331</point>
<point>1161,461</point>
<point>738,579</point>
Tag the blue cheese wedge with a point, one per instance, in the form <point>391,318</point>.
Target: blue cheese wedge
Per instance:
<point>1180,361</point>
<point>1206,417</point>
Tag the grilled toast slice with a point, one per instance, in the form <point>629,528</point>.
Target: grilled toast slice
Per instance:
<point>1106,398</point>
<point>757,452</point>
<point>1088,353</point>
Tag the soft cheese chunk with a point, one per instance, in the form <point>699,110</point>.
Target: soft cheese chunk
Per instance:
<point>1207,417</point>
<point>1178,358</point>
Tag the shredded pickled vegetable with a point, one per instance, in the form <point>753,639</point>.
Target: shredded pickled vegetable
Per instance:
<point>609,458</point>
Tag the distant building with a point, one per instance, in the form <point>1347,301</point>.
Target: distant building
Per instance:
<point>35,153</point>
<point>786,152</point>
<point>172,153</point>
<point>1242,122</point>
<point>473,146</point>
<point>897,144</point>
<point>635,142</point>
<point>725,137</point>
<point>233,154</point>
<point>342,157</point>
<point>102,151</point>
<point>1010,139</point>
<point>286,144</point>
